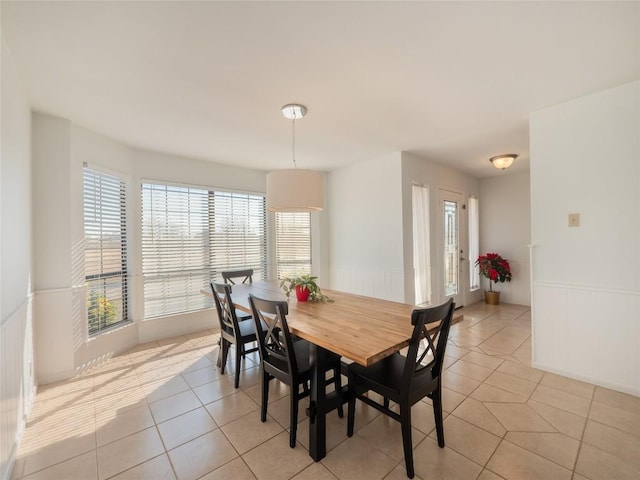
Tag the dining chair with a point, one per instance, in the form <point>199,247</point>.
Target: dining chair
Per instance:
<point>246,275</point>
<point>232,331</point>
<point>407,379</point>
<point>247,278</point>
<point>285,359</point>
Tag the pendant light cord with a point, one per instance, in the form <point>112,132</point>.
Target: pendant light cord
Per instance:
<point>293,142</point>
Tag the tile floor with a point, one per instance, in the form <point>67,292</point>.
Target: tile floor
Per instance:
<point>163,411</point>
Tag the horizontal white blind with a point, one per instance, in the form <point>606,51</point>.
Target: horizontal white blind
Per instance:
<point>189,235</point>
<point>238,238</point>
<point>293,244</point>
<point>105,259</point>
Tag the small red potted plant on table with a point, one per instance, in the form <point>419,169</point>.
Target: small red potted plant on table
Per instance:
<point>497,270</point>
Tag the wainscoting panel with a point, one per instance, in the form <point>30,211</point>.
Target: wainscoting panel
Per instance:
<point>17,387</point>
<point>588,333</point>
<point>385,284</point>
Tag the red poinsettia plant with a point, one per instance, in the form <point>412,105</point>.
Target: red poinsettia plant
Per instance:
<point>495,268</point>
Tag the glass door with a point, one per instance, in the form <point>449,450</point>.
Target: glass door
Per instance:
<point>453,254</point>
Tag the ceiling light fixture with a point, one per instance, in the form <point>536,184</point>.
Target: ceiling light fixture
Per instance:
<point>503,161</point>
<point>294,190</point>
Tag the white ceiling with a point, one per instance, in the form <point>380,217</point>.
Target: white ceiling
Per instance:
<point>453,82</point>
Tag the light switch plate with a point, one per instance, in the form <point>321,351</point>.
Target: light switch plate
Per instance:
<point>574,219</point>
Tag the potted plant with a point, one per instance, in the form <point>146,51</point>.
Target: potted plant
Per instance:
<point>305,287</point>
<point>497,270</point>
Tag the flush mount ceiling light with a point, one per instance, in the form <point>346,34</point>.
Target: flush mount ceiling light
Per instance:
<point>503,161</point>
<point>294,190</point>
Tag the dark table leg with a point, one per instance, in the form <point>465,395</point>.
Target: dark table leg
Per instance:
<point>317,406</point>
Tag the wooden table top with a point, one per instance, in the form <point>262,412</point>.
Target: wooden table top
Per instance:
<point>363,329</point>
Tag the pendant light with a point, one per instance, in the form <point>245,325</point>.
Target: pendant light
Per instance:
<point>294,190</point>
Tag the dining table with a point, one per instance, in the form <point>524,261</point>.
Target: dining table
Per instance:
<point>359,328</point>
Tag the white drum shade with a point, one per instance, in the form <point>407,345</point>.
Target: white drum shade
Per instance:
<point>295,190</point>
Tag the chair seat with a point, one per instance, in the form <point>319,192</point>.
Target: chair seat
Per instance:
<point>243,315</point>
<point>302,349</point>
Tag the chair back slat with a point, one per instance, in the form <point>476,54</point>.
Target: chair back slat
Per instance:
<point>274,343</point>
<point>246,275</point>
<point>425,354</point>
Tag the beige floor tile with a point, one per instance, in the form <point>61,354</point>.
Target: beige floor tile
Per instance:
<point>615,417</point>
<point>54,451</point>
<point>200,361</point>
<point>488,393</point>
<point>357,459</point>
<point>471,370</point>
<point>212,391</point>
<point>616,442</point>
<point>521,371</point>
<point>597,464</point>
<point>158,468</point>
<point>315,471</point>
<point>619,400</point>
<point>456,352</point>
<point>164,388</point>
<point>385,434</point>
<point>518,417</point>
<point>265,461</point>
<point>466,339</point>
<point>248,432</point>
<point>515,463</point>
<point>565,422</point>
<point>232,407</point>
<point>398,473</point>
<point>186,427</point>
<point>459,383</point>
<point>121,401</point>
<point>280,410</point>
<point>511,384</point>
<point>523,353</point>
<point>553,446</point>
<point>574,387</point>
<point>422,417</point>
<point>489,475</point>
<point>236,469</point>
<point>174,406</point>
<point>468,440</point>
<point>106,384</point>
<point>277,390</point>
<point>82,467</point>
<point>501,344</point>
<point>127,452</point>
<point>431,461</point>
<point>195,378</point>
<point>483,360</point>
<point>112,426</point>
<point>474,412</point>
<point>202,455</point>
<point>560,399</point>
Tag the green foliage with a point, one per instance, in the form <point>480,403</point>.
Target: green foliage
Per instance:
<point>305,282</point>
<point>100,311</point>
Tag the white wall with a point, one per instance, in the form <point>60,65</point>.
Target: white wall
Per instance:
<point>586,280</point>
<point>364,209</point>
<point>418,170</point>
<point>505,228</point>
<point>16,339</point>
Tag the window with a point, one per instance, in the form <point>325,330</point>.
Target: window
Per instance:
<point>190,235</point>
<point>474,243</point>
<point>421,244</point>
<point>293,244</point>
<point>105,254</point>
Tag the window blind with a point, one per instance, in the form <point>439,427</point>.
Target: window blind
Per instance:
<point>105,259</point>
<point>189,235</point>
<point>293,244</point>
